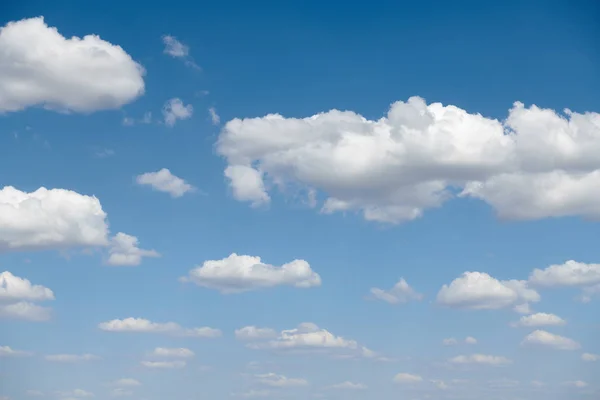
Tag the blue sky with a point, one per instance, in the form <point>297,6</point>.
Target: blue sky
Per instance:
<point>299,201</point>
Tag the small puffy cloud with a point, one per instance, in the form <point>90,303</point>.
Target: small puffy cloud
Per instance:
<point>14,288</point>
<point>70,358</point>
<point>280,381</point>
<point>577,384</point>
<point>26,311</point>
<point>75,393</point>
<point>400,293</point>
<point>535,163</point>
<point>439,384</point>
<point>539,319</point>
<point>482,359</point>
<point>255,333</point>
<point>480,291</point>
<point>177,49</point>
<point>126,382</point>
<point>254,393</point>
<point>470,340</point>
<point>174,110</point>
<point>121,392</point>
<point>180,352</point>
<point>141,325</point>
<point>164,364</point>
<point>7,351</point>
<point>50,219</point>
<point>124,251</point>
<point>450,342</point>
<point>164,181</point>
<point>547,339</point>
<point>524,308</point>
<point>247,185</point>
<point>570,274</point>
<point>405,378</point>
<point>347,385</point>
<point>75,74</point>
<point>214,117</point>
<point>240,273</point>
<point>590,357</point>
<point>308,337</point>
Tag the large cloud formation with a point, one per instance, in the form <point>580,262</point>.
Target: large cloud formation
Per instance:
<point>535,164</point>
<point>39,66</point>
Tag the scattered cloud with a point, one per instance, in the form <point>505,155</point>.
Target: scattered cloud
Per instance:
<point>539,319</point>
<point>70,358</point>
<point>121,392</point>
<point>400,293</point>
<point>75,393</point>
<point>164,181</point>
<point>280,381</point>
<point>34,393</point>
<point>247,184</point>
<point>214,117</point>
<point>26,311</point>
<point>480,291</point>
<point>482,359</point>
<point>176,49</point>
<point>470,340</point>
<point>146,119</point>
<point>7,351</point>
<point>180,352</point>
<point>63,74</point>
<point>164,364</point>
<point>590,357</point>
<point>450,342</point>
<point>124,251</point>
<point>126,382</point>
<point>241,273</point>
<point>547,339</point>
<point>50,219</point>
<point>17,296</point>
<point>577,384</point>
<point>347,385</point>
<point>141,325</point>
<point>174,110</point>
<point>255,333</point>
<point>405,378</point>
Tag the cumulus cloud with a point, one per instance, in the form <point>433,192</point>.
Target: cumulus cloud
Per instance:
<point>141,325</point>
<point>177,49</point>
<point>480,291</point>
<point>547,339</point>
<point>180,352</point>
<point>164,364</point>
<point>247,185</point>
<point>124,251</point>
<point>255,333</point>
<point>240,273</point>
<point>39,66</point>
<point>405,378</point>
<point>570,274</point>
<point>125,382</point>
<point>70,358</point>
<point>17,296</point>
<point>536,163</point>
<point>121,392</point>
<point>453,341</point>
<point>483,359</point>
<point>308,337</point>
<point>48,219</point>
<point>400,293</point>
<point>7,351</point>
<point>164,181</point>
<point>539,319</point>
<point>280,381</point>
<point>214,117</point>
<point>470,340</point>
<point>75,393</point>
<point>590,357</point>
<point>347,385</point>
<point>174,110</point>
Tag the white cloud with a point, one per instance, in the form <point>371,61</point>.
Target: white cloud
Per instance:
<point>164,364</point>
<point>534,164</point>
<point>407,378</point>
<point>543,338</point>
<point>14,288</point>
<point>50,219</point>
<point>309,337</point>
<point>127,382</point>
<point>450,342</point>
<point>255,333</point>
<point>180,352</point>
<point>7,351</point>
<point>76,74</point>
<point>76,393</point>
<point>280,381</point>
<point>577,384</point>
<point>141,325</point>
<point>470,340</point>
<point>524,308</point>
<point>240,273</point>
<point>174,110</point>
<point>26,311</point>
<point>123,251</point>
<point>439,384</point>
<point>247,185</point>
<point>539,319</point>
<point>121,392</point>
<point>254,393</point>
<point>214,117</point>
<point>478,291</point>
<point>482,359</point>
<point>347,385</point>
<point>537,384</point>
<point>164,181</point>
<point>400,293</point>
<point>176,49</point>
<point>70,358</point>
<point>571,273</point>
<point>590,357</point>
